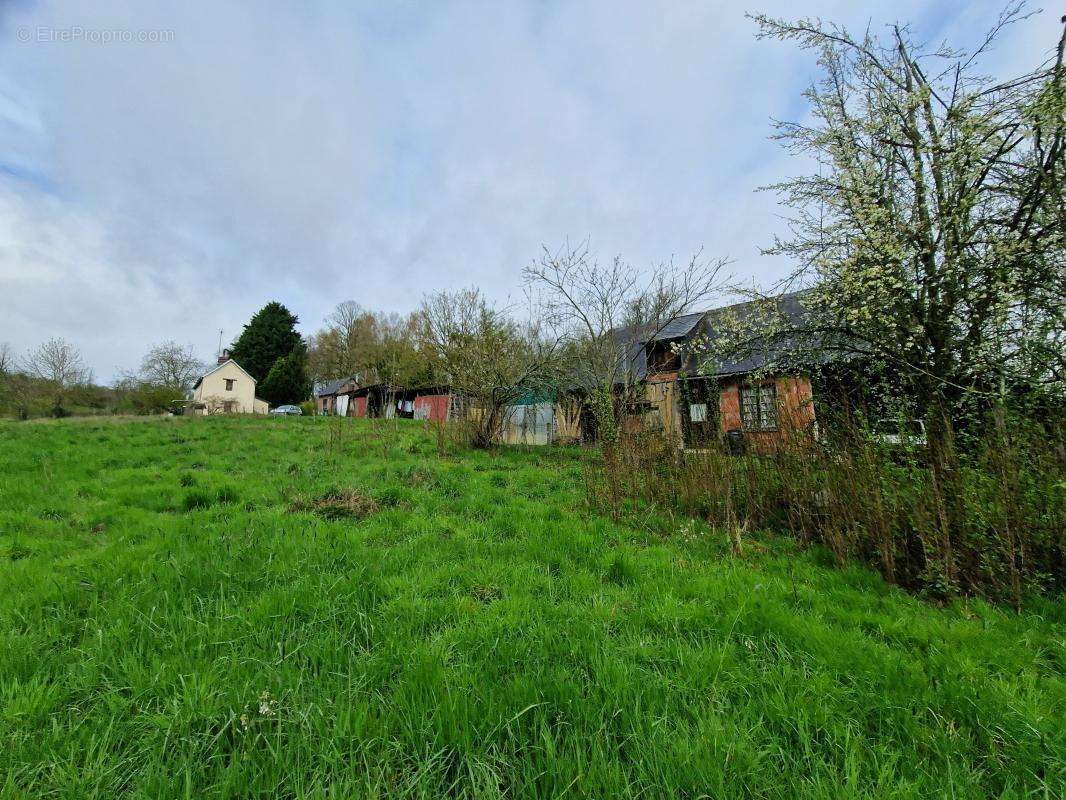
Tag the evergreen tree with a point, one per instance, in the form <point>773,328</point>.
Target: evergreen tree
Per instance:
<point>287,380</point>
<point>270,335</point>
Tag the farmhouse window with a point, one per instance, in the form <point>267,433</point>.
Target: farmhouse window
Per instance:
<point>229,384</point>
<point>758,407</point>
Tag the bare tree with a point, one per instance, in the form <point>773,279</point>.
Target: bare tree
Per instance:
<point>59,364</point>
<point>7,360</point>
<point>371,346</point>
<point>604,314</point>
<point>7,368</point>
<point>171,365</point>
<point>339,349</point>
<point>490,360</point>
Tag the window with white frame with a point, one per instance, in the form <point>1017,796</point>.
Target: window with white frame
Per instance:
<point>758,407</point>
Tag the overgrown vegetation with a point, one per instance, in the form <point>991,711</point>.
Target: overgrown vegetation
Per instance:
<point>877,501</point>
<point>489,359</point>
<point>929,242</point>
<point>174,623</point>
<point>52,380</point>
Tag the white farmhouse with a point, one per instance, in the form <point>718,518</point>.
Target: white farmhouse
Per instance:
<point>226,389</point>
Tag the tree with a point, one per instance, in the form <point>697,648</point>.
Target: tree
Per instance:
<point>339,349</point>
<point>271,334</point>
<point>932,233</point>
<point>396,357</point>
<point>59,365</point>
<point>287,381</point>
<point>933,230</point>
<point>7,367</point>
<point>133,392</point>
<point>602,313</point>
<point>374,347</point>
<point>490,360</point>
<point>171,366</point>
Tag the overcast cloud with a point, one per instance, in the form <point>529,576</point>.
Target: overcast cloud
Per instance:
<point>316,152</point>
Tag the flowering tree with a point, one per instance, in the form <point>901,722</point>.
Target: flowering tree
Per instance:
<point>932,231</point>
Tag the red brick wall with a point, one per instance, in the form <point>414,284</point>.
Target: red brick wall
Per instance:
<point>795,407</point>
<point>795,403</point>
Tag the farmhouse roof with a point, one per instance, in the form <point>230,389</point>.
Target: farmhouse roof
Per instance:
<point>220,366</point>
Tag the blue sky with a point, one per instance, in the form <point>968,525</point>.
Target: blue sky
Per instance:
<point>324,151</point>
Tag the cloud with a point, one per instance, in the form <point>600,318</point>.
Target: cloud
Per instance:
<point>318,152</point>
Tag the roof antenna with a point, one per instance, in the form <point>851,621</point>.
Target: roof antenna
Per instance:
<point>218,352</point>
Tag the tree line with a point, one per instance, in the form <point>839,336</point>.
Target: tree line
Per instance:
<point>929,239</point>
<point>53,380</point>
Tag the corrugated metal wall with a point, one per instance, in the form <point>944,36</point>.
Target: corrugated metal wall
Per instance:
<point>432,407</point>
<point>529,424</point>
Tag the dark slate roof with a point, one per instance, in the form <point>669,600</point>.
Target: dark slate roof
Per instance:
<point>759,354</point>
<point>756,357</point>
<point>635,337</point>
<point>638,359</point>
<point>677,328</point>
<point>330,388</point>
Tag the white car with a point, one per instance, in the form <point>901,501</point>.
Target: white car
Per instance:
<point>900,433</point>
<point>291,411</point>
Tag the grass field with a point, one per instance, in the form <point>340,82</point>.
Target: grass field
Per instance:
<point>239,607</point>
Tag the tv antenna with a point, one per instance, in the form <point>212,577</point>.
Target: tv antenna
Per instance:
<point>218,352</point>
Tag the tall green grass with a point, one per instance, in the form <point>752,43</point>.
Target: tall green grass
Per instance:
<point>991,522</point>
<point>243,607</point>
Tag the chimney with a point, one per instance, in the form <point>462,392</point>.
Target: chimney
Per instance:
<point>223,357</point>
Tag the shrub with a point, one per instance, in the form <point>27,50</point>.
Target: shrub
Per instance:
<point>992,526</point>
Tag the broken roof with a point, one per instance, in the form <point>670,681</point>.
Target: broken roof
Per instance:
<point>788,306</point>
<point>677,328</point>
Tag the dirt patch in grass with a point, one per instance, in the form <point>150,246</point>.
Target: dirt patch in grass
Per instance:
<point>486,594</point>
<point>339,504</point>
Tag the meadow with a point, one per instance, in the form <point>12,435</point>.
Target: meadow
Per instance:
<point>249,607</point>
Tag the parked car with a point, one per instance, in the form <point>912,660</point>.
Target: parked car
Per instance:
<point>294,411</point>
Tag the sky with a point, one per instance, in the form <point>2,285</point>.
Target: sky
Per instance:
<point>168,168</point>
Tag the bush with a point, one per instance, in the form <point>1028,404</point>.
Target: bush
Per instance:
<point>990,526</point>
